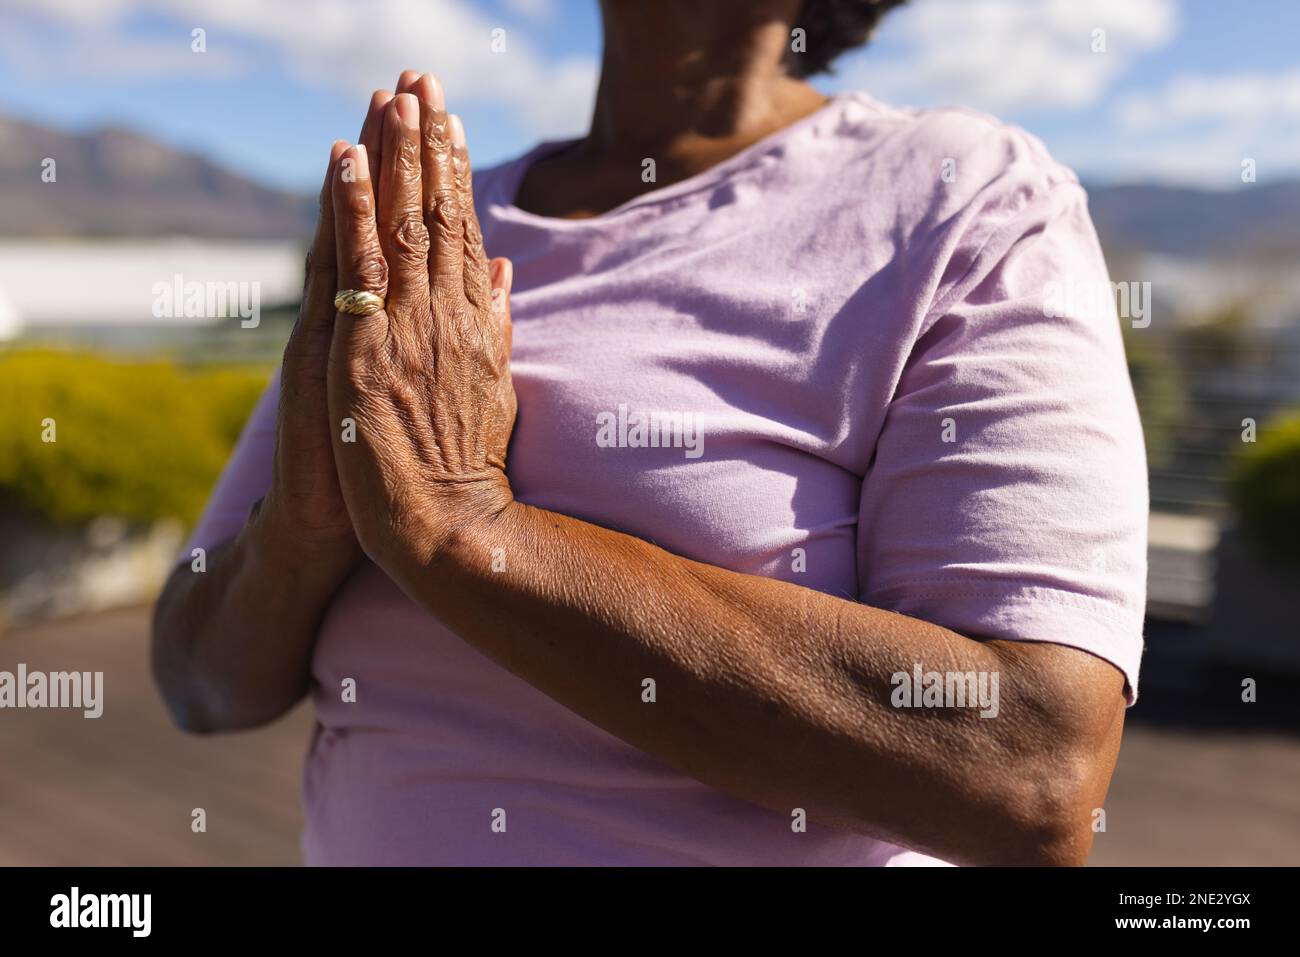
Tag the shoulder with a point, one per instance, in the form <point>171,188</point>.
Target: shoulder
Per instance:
<point>951,142</point>
<point>949,168</point>
<point>966,186</point>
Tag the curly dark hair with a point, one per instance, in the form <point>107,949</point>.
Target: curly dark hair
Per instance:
<point>831,27</point>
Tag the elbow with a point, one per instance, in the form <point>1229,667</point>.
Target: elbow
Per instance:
<point>1054,842</point>
<point>1050,811</point>
<point>166,658</point>
<point>187,717</point>
<point>207,684</point>
<point>198,709</point>
<point>1032,803</point>
<point>193,703</point>
<point>1034,810</point>
<point>196,717</point>
<point>1056,768</point>
<point>172,677</point>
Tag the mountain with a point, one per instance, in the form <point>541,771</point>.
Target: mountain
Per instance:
<point>1261,219</point>
<point>113,182</point>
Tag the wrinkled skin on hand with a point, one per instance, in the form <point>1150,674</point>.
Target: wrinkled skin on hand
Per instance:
<point>420,395</point>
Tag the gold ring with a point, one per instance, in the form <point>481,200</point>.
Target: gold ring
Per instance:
<point>358,302</point>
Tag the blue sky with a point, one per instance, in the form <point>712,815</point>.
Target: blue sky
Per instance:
<point>1183,91</point>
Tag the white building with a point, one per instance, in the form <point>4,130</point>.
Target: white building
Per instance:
<point>84,283</point>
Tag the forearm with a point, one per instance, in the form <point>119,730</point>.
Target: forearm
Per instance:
<point>769,691</point>
<point>232,644</point>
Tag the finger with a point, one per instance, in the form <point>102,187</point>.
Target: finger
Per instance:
<point>372,129</point>
<point>442,209</point>
<point>502,274</point>
<point>361,264</point>
<point>475,262</point>
<point>407,80</point>
<point>402,233</point>
<point>316,310</point>
<point>429,90</point>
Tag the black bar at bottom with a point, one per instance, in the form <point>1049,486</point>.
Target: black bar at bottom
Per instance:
<point>234,906</point>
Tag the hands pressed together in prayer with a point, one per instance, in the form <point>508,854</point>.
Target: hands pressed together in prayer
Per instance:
<point>418,392</point>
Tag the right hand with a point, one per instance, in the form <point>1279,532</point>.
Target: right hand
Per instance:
<point>304,501</point>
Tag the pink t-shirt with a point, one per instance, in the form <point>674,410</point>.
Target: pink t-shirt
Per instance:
<point>867,341</point>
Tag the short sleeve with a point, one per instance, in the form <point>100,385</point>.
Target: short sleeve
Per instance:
<point>245,479</point>
<point>1008,493</point>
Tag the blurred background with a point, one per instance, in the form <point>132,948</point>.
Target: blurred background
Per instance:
<point>150,145</point>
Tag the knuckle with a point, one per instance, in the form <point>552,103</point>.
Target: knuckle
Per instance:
<point>408,155</point>
<point>476,299</point>
<point>411,236</point>
<point>445,209</point>
<point>460,164</point>
<point>434,134</point>
<point>359,205</point>
<point>317,264</point>
<point>371,269</point>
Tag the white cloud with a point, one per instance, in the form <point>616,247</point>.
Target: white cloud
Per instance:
<point>1212,161</point>
<point>351,46</point>
<point>1209,156</point>
<point>1197,129</point>
<point>1235,97</point>
<point>1008,54</point>
<point>124,57</point>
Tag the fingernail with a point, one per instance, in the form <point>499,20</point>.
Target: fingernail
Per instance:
<point>457,131</point>
<point>408,111</point>
<point>362,171</point>
<point>430,91</point>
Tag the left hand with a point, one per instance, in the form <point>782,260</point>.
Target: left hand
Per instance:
<point>425,380</point>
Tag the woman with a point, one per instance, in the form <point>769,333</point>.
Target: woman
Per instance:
<point>819,543</point>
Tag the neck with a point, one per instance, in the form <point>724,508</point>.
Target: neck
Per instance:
<point>675,72</point>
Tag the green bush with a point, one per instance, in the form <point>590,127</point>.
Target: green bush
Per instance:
<point>139,440</point>
<point>1265,489</point>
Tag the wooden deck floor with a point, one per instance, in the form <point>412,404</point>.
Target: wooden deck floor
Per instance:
<point>120,789</point>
